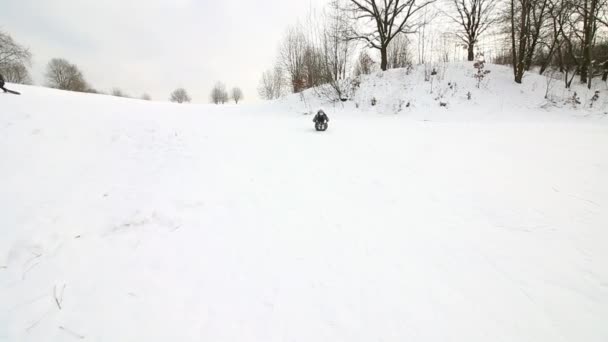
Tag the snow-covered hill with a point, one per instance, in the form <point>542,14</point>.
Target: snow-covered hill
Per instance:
<point>455,89</point>
<point>125,220</point>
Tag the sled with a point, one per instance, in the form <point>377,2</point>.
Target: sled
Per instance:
<point>12,92</point>
<point>321,126</point>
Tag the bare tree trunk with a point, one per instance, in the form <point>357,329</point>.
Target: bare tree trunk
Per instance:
<point>522,44</point>
<point>589,36</point>
<point>471,54</point>
<point>588,33</point>
<point>513,49</point>
<point>384,58</point>
<point>524,28</point>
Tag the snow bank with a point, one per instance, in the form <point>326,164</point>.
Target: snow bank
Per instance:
<point>453,94</point>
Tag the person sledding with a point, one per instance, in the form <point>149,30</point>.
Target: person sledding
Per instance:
<point>7,90</point>
<point>2,84</point>
<point>320,120</point>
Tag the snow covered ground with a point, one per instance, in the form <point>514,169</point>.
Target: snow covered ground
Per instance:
<point>125,220</point>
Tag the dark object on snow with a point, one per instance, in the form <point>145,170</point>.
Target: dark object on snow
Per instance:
<point>321,126</point>
<point>320,120</point>
<point>7,90</point>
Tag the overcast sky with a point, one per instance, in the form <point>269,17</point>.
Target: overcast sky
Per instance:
<point>155,46</point>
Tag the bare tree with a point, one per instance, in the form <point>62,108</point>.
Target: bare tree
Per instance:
<point>336,51</point>
<point>520,11</point>
<point>398,53</point>
<point>237,94</point>
<point>589,12</point>
<point>271,84</point>
<point>474,17</point>
<point>551,43</point>
<point>11,52</point>
<point>336,47</point>
<point>219,93</point>
<point>364,64</point>
<point>266,88</point>
<point>180,95</point>
<point>385,20</point>
<point>292,55</point>
<point>539,15</point>
<point>14,59</point>
<point>146,97</point>
<point>15,73</point>
<point>278,81</point>
<point>118,92</point>
<point>63,75</point>
<point>563,24</point>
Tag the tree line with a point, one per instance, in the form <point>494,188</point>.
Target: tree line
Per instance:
<point>348,38</point>
<point>64,75</point>
<point>353,37</point>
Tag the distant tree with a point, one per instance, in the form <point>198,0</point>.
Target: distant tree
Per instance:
<point>294,56</point>
<point>398,54</point>
<point>474,17</point>
<point>14,59</point>
<point>336,50</point>
<point>265,89</point>
<point>364,64</point>
<point>11,52</point>
<point>118,92</point>
<point>237,94</point>
<point>180,95</point>
<point>146,97</point>
<point>271,84</point>
<point>63,75</point>
<point>384,20</point>
<point>15,73</point>
<point>219,93</point>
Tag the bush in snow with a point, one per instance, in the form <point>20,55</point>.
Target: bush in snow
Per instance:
<point>409,68</point>
<point>595,97</point>
<point>429,75</point>
<point>336,90</point>
<point>118,93</point>
<point>453,86</point>
<point>574,100</point>
<point>480,64</point>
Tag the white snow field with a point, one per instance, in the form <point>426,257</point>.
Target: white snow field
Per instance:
<point>125,220</point>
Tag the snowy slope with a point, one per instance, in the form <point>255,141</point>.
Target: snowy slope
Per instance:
<point>497,98</point>
<point>125,220</point>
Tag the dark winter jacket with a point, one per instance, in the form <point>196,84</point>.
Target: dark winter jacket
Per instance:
<point>321,117</point>
<point>1,81</point>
